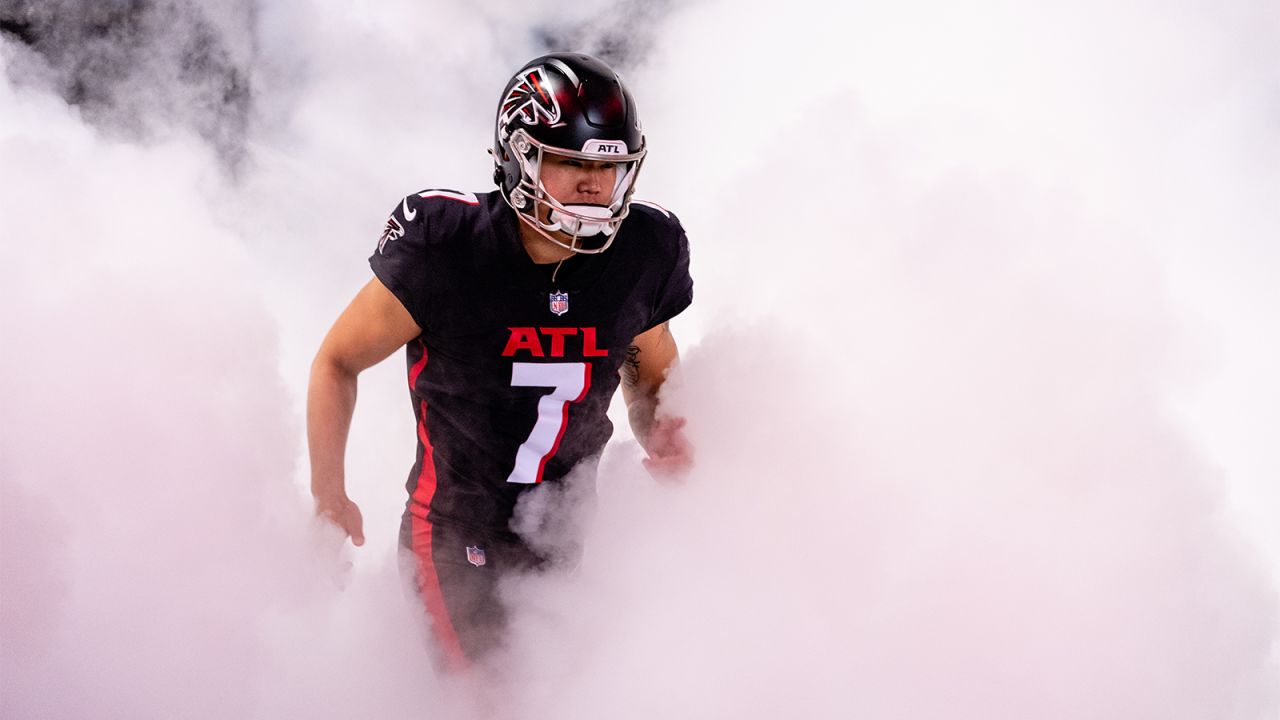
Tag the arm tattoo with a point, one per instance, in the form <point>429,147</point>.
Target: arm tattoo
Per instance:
<point>631,367</point>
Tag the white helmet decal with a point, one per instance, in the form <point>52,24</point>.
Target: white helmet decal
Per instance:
<point>604,147</point>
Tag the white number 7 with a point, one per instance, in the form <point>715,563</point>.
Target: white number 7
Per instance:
<point>569,383</point>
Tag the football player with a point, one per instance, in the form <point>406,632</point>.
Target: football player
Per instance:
<point>521,310</point>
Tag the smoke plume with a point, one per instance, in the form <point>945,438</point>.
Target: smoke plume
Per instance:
<point>978,370</point>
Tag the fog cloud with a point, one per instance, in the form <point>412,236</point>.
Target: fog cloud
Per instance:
<point>977,370</point>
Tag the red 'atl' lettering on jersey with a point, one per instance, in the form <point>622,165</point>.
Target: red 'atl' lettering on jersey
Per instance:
<point>523,339</point>
<point>557,335</point>
<point>530,340</point>
<point>589,348</point>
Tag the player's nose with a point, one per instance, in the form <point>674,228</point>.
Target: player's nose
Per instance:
<point>589,182</point>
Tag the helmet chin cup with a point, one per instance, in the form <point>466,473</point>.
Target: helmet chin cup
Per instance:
<point>577,220</point>
<point>566,226</point>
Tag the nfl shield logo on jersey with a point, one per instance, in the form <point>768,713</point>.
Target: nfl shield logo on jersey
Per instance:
<point>475,556</point>
<point>559,303</point>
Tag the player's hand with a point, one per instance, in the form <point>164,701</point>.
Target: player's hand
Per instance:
<point>670,454</point>
<point>340,511</point>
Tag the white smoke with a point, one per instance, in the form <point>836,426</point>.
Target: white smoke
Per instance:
<point>977,359</point>
<point>158,560</point>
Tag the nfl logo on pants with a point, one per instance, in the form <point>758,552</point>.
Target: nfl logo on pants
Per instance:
<point>559,303</point>
<point>475,556</point>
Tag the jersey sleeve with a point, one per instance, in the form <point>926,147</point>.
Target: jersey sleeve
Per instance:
<point>676,292</point>
<point>400,260</point>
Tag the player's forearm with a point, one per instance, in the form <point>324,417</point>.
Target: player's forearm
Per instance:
<point>331,401</point>
<point>644,371</point>
<point>642,402</point>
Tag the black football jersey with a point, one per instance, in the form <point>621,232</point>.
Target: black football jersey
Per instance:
<point>512,375</point>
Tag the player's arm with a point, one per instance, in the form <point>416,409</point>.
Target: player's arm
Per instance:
<point>372,327</point>
<point>649,359</point>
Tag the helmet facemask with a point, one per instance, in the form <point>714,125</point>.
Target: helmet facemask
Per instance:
<point>547,215</point>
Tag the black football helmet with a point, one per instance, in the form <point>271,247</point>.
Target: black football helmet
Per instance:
<point>574,105</point>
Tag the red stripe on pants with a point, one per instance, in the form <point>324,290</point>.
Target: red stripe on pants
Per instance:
<point>429,588</point>
<point>428,580</point>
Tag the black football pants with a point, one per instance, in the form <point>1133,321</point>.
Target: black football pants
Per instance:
<point>456,574</point>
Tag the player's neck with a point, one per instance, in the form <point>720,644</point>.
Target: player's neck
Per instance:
<point>541,250</point>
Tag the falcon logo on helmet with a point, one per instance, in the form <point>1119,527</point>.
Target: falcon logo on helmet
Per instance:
<point>531,100</point>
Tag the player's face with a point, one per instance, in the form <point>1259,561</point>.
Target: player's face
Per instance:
<point>578,182</point>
